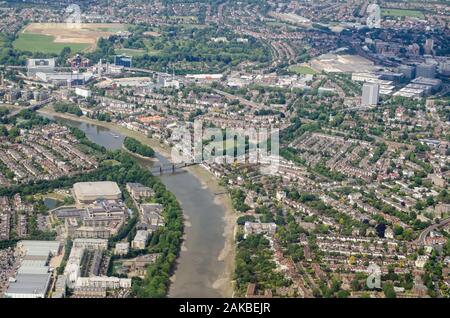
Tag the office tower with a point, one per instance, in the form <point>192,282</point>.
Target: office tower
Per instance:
<point>407,70</point>
<point>426,70</point>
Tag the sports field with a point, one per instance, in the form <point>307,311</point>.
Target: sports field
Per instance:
<point>402,13</point>
<point>301,69</point>
<point>45,44</point>
<point>53,37</point>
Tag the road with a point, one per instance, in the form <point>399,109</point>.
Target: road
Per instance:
<point>241,99</point>
<point>32,107</point>
<point>421,239</point>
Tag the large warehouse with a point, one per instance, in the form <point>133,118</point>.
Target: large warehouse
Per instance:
<point>34,274</point>
<point>89,192</point>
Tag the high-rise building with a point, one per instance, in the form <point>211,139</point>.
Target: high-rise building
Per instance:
<point>426,70</point>
<point>428,47</point>
<point>407,70</point>
<point>370,94</point>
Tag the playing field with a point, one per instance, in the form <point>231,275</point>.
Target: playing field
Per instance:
<point>45,44</point>
<point>402,13</point>
<point>53,37</point>
<point>301,69</point>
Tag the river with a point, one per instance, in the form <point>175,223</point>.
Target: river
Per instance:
<point>199,272</point>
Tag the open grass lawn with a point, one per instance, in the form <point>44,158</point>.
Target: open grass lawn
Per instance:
<point>301,69</point>
<point>44,43</point>
<point>402,13</point>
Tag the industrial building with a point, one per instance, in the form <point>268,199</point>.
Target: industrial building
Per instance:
<point>64,79</point>
<point>419,87</point>
<point>34,274</point>
<point>40,65</point>
<point>89,192</point>
<point>386,87</point>
<point>370,94</point>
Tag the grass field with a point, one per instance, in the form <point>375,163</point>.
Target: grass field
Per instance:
<point>301,69</point>
<point>53,37</point>
<point>45,44</point>
<point>402,13</point>
<point>131,52</point>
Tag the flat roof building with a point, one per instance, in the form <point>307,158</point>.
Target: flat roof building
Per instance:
<point>33,276</point>
<point>89,192</point>
<point>370,94</point>
<point>40,65</point>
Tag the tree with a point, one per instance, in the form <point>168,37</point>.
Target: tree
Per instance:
<point>388,290</point>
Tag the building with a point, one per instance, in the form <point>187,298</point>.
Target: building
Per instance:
<point>428,47</point>
<point>139,191</point>
<point>83,92</point>
<point>123,60</point>
<point>140,240</point>
<point>78,61</point>
<point>407,71</point>
<point>103,282</point>
<point>40,65</point>
<point>370,94</point>
<point>259,228</point>
<point>60,287</point>
<point>421,261</point>
<point>444,68</point>
<point>97,232</point>
<point>426,70</point>
<point>326,91</point>
<point>89,192</point>
<point>434,84</point>
<point>5,225</point>
<point>74,263</point>
<point>34,274</point>
<point>168,81</point>
<point>64,78</point>
<point>437,180</point>
<point>122,248</point>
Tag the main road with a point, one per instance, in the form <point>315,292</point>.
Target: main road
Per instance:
<point>421,239</point>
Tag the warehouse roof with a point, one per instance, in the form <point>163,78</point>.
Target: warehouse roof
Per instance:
<point>96,189</point>
<point>30,284</point>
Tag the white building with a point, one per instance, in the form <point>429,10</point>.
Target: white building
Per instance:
<point>122,248</point>
<point>140,240</point>
<point>40,65</point>
<point>370,94</point>
<point>83,92</point>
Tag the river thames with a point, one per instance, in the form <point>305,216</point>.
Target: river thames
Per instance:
<point>200,271</point>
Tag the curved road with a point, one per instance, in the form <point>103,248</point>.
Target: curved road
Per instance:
<point>421,239</point>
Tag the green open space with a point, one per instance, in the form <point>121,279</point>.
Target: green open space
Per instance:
<point>402,13</point>
<point>44,44</point>
<point>301,69</point>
